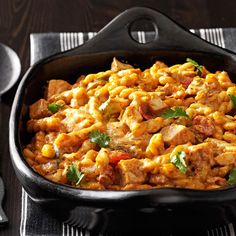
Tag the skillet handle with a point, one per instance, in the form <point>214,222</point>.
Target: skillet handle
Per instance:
<point>169,35</point>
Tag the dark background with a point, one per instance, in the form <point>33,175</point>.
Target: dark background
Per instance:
<point>19,18</point>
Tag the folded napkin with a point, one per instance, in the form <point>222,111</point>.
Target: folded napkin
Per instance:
<point>35,221</point>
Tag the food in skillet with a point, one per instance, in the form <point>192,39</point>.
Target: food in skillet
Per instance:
<point>130,129</point>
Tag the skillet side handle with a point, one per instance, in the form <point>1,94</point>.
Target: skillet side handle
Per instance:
<point>169,35</point>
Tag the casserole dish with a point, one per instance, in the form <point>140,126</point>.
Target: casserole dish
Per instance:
<point>138,210</point>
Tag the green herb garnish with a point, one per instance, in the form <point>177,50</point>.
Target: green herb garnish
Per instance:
<point>171,113</point>
<point>179,162</point>
<point>233,99</point>
<point>102,139</point>
<point>73,174</point>
<point>232,177</point>
<point>198,67</point>
<point>54,107</point>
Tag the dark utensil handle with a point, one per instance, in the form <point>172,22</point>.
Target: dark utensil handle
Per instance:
<point>3,217</point>
<point>169,35</point>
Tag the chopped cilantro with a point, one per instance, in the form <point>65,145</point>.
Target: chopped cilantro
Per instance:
<point>73,174</point>
<point>102,139</point>
<point>232,177</point>
<point>171,113</point>
<point>198,67</point>
<point>179,162</point>
<point>53,107</point>
<point>233,99</point>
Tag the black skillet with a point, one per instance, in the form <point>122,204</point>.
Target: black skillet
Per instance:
<point>143,210</point>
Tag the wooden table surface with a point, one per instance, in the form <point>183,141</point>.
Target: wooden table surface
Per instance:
<point>19,18</point>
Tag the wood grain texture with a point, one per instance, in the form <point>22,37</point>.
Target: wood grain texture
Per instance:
<point>19,18</point>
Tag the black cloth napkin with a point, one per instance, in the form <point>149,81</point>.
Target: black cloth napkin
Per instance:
<point>35,221</point>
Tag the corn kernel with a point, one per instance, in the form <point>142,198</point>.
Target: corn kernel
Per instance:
<point>229,137</point>
<point>230,125</point>
<point>48,151</point>
<point>166,79</point>
<point>155,144</point>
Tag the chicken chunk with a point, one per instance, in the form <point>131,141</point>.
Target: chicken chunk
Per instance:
<point>200,152</point>
<point>196,85</point>
<point>131,117</point>
<point>221,146</point>
<point>57,86</point>
<point>48,124</point>
<point>116,130</point>
<point>107,176</point>
<point>177,134</point>
<point>39,109</point>
<point>131,172</point>
<point>227,158</point>
<point>157,105</point>
<point>200,159</point>
<point>121,139</point>
<point>68,143</point>
<point>50,167</point>
<point>117,65</point>
<point>203,127</point>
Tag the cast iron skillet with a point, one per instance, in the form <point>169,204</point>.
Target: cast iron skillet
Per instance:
<point>141,210</point>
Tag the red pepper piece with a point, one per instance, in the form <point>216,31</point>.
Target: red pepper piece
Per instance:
<point>144,110</point>
<point>116,156</point>
<point>186,82</point>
